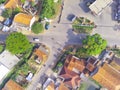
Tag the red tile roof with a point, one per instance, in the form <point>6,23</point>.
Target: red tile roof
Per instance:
<point>73,62</point>
<point>11,85</point>
<point>71,78</point>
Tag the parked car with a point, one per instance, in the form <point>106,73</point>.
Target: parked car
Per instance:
<point>47,26</point>
<point>71,17</point>
<point>36,39</point>
<point>117,14</point>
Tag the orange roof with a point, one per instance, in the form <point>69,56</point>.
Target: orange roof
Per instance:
<point>11,85</point>
<point>62,87</point>
<point>12,3</point>
<point>40,54</point>
<point>90,67</point>
<point>23,18</point>
<point>51,86</point>
<point>71,78</point>
<point>108,77</point>
<point>73,62</point>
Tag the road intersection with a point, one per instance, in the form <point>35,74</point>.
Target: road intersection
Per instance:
<point>61,35</point>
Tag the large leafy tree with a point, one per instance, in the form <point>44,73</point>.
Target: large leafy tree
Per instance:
<point>17,43</point>
<point>92,45</point>
<point>37,28</point>
<point>48,9</point>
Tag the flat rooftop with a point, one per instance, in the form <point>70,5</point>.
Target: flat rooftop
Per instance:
<point>97,6</point>
<point>8,60</point>
<point>3,71</point>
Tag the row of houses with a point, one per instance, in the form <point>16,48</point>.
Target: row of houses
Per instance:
<point>69,77</point>
<point>75,69</point>
<point>22,20</point>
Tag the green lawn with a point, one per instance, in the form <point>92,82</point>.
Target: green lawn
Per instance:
<point>83,86</point>
<point>1,48</point>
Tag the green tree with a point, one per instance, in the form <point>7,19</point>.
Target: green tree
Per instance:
<point>16,10</point>
<point>23,1</point>
<point>48,9</point>
<point>2,1</point>
<point>17,43</point>
<point>37,28</point>
<point>94,44</point>
<point>7,13</point>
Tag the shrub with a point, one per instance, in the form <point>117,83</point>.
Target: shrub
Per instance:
<point>7,13</point>
<point>37,28</point>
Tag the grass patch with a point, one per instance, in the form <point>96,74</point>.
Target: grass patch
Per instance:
<point>83,86</point>
<point>1,48</point>
<point>97,83</point>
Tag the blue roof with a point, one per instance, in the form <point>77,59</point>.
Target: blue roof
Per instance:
<point>8,22</point>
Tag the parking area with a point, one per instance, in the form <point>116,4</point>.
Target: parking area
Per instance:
<point>107,27</point>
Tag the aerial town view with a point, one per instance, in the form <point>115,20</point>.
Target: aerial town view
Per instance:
<point>59,44</point>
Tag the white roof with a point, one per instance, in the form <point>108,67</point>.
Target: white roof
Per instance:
<point>99,5</point>
<point>3,71</point>
<point>8,60</point>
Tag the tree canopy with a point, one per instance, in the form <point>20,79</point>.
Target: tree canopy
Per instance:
<point>48,9</point>
<point>2,1</point>
<point>92,45</point>
<point>17,43</point>
<point>37,28</point>
<point>7,13</point>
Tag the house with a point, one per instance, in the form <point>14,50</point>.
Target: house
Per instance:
<point>41,56</point>
<point>41,53</point>
<point>99,5</point>
<point>54,85</point>
<point>4,71</point>
<point>70,78</point>
<point>91,64</point>
<point>108,77</point>
<point>29,6</point>
<point>75,68</point>
<point>51,86</point>
<point>11,85</point>
<point>75,64</point>
<point>62,87</point>
<point>24,20</point>
<point>7,62</point>
<point>115,63</point>
<point>12,3</point>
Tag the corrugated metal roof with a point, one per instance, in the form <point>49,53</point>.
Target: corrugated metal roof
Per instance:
<point>99,5</point>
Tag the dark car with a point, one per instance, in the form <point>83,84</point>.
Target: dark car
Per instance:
<point>71,17</point>
<point>47,26</point>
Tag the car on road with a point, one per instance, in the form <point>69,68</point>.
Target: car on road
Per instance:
<point>36,39</point>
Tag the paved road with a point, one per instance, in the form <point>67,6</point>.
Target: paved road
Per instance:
<point>62,34</point>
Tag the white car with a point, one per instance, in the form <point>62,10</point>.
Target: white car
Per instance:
<point>36,39</point>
